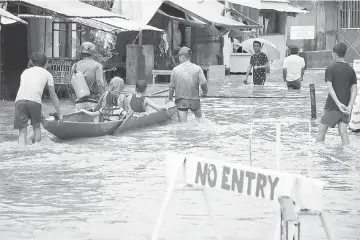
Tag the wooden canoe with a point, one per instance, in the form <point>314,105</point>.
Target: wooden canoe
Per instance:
<point>152,119</point>
<point>79,125</point>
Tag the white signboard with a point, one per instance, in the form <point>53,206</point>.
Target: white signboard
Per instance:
<point>246,180</point>
<point>356,67</point>
<point>302,32</point>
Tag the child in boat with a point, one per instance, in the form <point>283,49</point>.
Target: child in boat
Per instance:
<point>116,85</point>
<point>138,102</point>
<point>110,112</point>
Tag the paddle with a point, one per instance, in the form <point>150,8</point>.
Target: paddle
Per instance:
<point>158,92</point>
<point>85,99</point>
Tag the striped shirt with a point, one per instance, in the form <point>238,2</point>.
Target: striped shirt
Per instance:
<point>185,80</point>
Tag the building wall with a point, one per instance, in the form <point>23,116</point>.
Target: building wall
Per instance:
<point>278,39</point>
<point>323,15</point>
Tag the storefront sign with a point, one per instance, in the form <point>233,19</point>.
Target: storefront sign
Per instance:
<point>302,32</point>
<point>61,70</point>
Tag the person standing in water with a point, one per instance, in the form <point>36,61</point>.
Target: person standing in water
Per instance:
<point>293,69</point>
<point>342,85</point>
<point>93,74</point>
<point>185,81</point>
<point>259,61</point>
<point>28,99</point>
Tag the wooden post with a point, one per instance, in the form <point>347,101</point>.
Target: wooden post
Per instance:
<point>313,101</point>
<point>140,38</point>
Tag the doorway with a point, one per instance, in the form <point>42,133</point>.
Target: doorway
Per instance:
<point>14,58</point>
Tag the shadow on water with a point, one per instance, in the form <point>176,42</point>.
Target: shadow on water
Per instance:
<point>112,187</point>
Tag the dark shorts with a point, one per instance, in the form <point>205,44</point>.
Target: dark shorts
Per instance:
<point>333,117</point>
<point>25,110</point>
<point>187,104</point>
<point>294,84</point>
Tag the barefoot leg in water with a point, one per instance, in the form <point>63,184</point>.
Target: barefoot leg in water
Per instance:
<point>342,127</point>
<point>22,136</point>
<point>322,132</point>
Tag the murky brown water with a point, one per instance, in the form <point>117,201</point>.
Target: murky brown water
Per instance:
<point>112,187</point>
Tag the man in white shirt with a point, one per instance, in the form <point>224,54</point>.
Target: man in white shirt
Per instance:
<point>293,69</point>
<point>28,99</point>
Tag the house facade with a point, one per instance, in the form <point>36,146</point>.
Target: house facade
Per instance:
<point>333,21</point>
<point>273,17</point>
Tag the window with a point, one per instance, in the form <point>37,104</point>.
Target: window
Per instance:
<point>271,22</point>
<point>66,39</point>
<point>350,14</point>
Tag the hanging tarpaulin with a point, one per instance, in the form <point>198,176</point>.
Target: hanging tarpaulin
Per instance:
<point>140,11</point>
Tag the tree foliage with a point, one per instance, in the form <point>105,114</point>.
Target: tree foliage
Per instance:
<point>104,42</point>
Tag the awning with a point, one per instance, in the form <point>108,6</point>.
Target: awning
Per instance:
<point>95,24</point>
<point>89,15</point>
<point>8,18</point>
<point>71,8</point>
<point>207,11</point>
<point>127,25</point>
<point>184,21</point>
<point>247,3</point>
<point>280,6</point>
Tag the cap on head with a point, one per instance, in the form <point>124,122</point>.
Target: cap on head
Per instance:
<point>185,51</point>
<point>87,48</point>
<point>141,86</point>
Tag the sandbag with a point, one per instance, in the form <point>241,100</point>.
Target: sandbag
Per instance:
<point>79,84</point>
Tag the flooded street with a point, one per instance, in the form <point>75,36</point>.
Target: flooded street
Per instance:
<point>112,187</point>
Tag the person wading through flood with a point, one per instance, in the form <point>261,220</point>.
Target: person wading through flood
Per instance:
<point>28,99</point>
<point>342,85</point>
<point>259,61</point>
<point>93,74</point>
<point>293,69</point>
<point>185,80</point>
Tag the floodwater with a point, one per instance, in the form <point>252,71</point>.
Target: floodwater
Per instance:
<point>112,187</point>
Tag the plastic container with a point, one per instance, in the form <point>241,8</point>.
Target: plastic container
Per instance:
<point>79,85</point>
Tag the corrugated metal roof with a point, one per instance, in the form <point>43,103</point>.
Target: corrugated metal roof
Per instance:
<point>206,10</point>
<point>72,8</point>
<point>280,6</point>
<point>8,18</point>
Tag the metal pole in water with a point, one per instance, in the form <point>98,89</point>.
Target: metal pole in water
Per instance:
<point>313,101</point>
<point>166,202</point>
